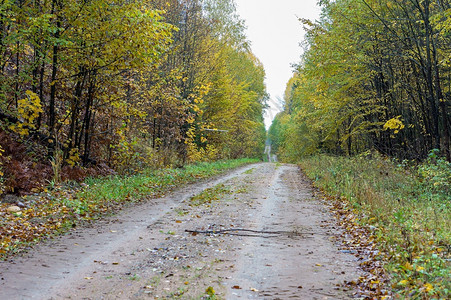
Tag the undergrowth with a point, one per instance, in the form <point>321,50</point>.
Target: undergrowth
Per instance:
<point>62,207</point>
<point>209,195</point>
<point>405,206</point>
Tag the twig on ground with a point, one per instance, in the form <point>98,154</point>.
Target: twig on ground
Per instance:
<point>259,232</point>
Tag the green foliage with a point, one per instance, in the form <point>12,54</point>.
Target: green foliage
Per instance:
<point>435,174</point>
<point>408,215</point>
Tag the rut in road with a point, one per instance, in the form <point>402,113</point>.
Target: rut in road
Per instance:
<point>257,233</point>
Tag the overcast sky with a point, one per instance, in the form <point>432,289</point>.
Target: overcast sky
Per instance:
<point>275,34</point>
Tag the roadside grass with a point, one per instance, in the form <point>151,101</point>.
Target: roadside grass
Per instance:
<point>153,182</point>
<point>406,209</point>
<point>62,207</point>
<point>209,195</point>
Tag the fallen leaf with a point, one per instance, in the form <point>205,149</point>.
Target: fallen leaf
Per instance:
<point>403,282</point>
<point>236,287</point>
<point>89,278</point>
<point>254,290</point>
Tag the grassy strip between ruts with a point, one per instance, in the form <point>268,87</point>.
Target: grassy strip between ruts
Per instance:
<point>400,218</point>
<point>60,208</point>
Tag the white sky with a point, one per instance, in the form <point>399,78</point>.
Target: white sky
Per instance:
<point>275,34</point>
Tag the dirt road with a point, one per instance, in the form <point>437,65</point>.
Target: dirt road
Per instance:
<point>256,233</point>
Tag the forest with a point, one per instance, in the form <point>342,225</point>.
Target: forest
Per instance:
<point>101,87</point>
<point>375,75</point>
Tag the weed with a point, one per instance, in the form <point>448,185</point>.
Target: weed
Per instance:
<point>211,294</point>
<point>209,195</point>
<point>170,232</point>
<point>155,281</point>
<point>250,171</point>
<point>409,210</point>
<point>181,211</point>
<point>57,163</point>
<point>178,294</point>
<point>242,190</point>
<point>134,277</point>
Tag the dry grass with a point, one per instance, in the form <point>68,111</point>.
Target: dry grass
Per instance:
<point>409,213</point>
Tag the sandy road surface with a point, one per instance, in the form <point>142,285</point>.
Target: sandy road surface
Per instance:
<point>257,234</point>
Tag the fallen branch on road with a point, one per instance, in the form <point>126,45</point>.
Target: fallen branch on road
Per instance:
<point>259,233</point>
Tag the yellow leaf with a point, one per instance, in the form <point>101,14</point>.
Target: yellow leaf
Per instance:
<point>408,266</point>
<point>428,287</point>
<point>403,282</point>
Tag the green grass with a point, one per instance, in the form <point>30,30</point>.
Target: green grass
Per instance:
<point>407,208</point>
<point>209,195</point>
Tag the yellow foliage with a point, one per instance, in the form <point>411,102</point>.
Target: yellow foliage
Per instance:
<point>394,124</point>
<point>404,282</point>
<point>73,158</point>
<point>190,120</point>
<point>195,153</point>
<point>408,266</point>
<point>28,110</point>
